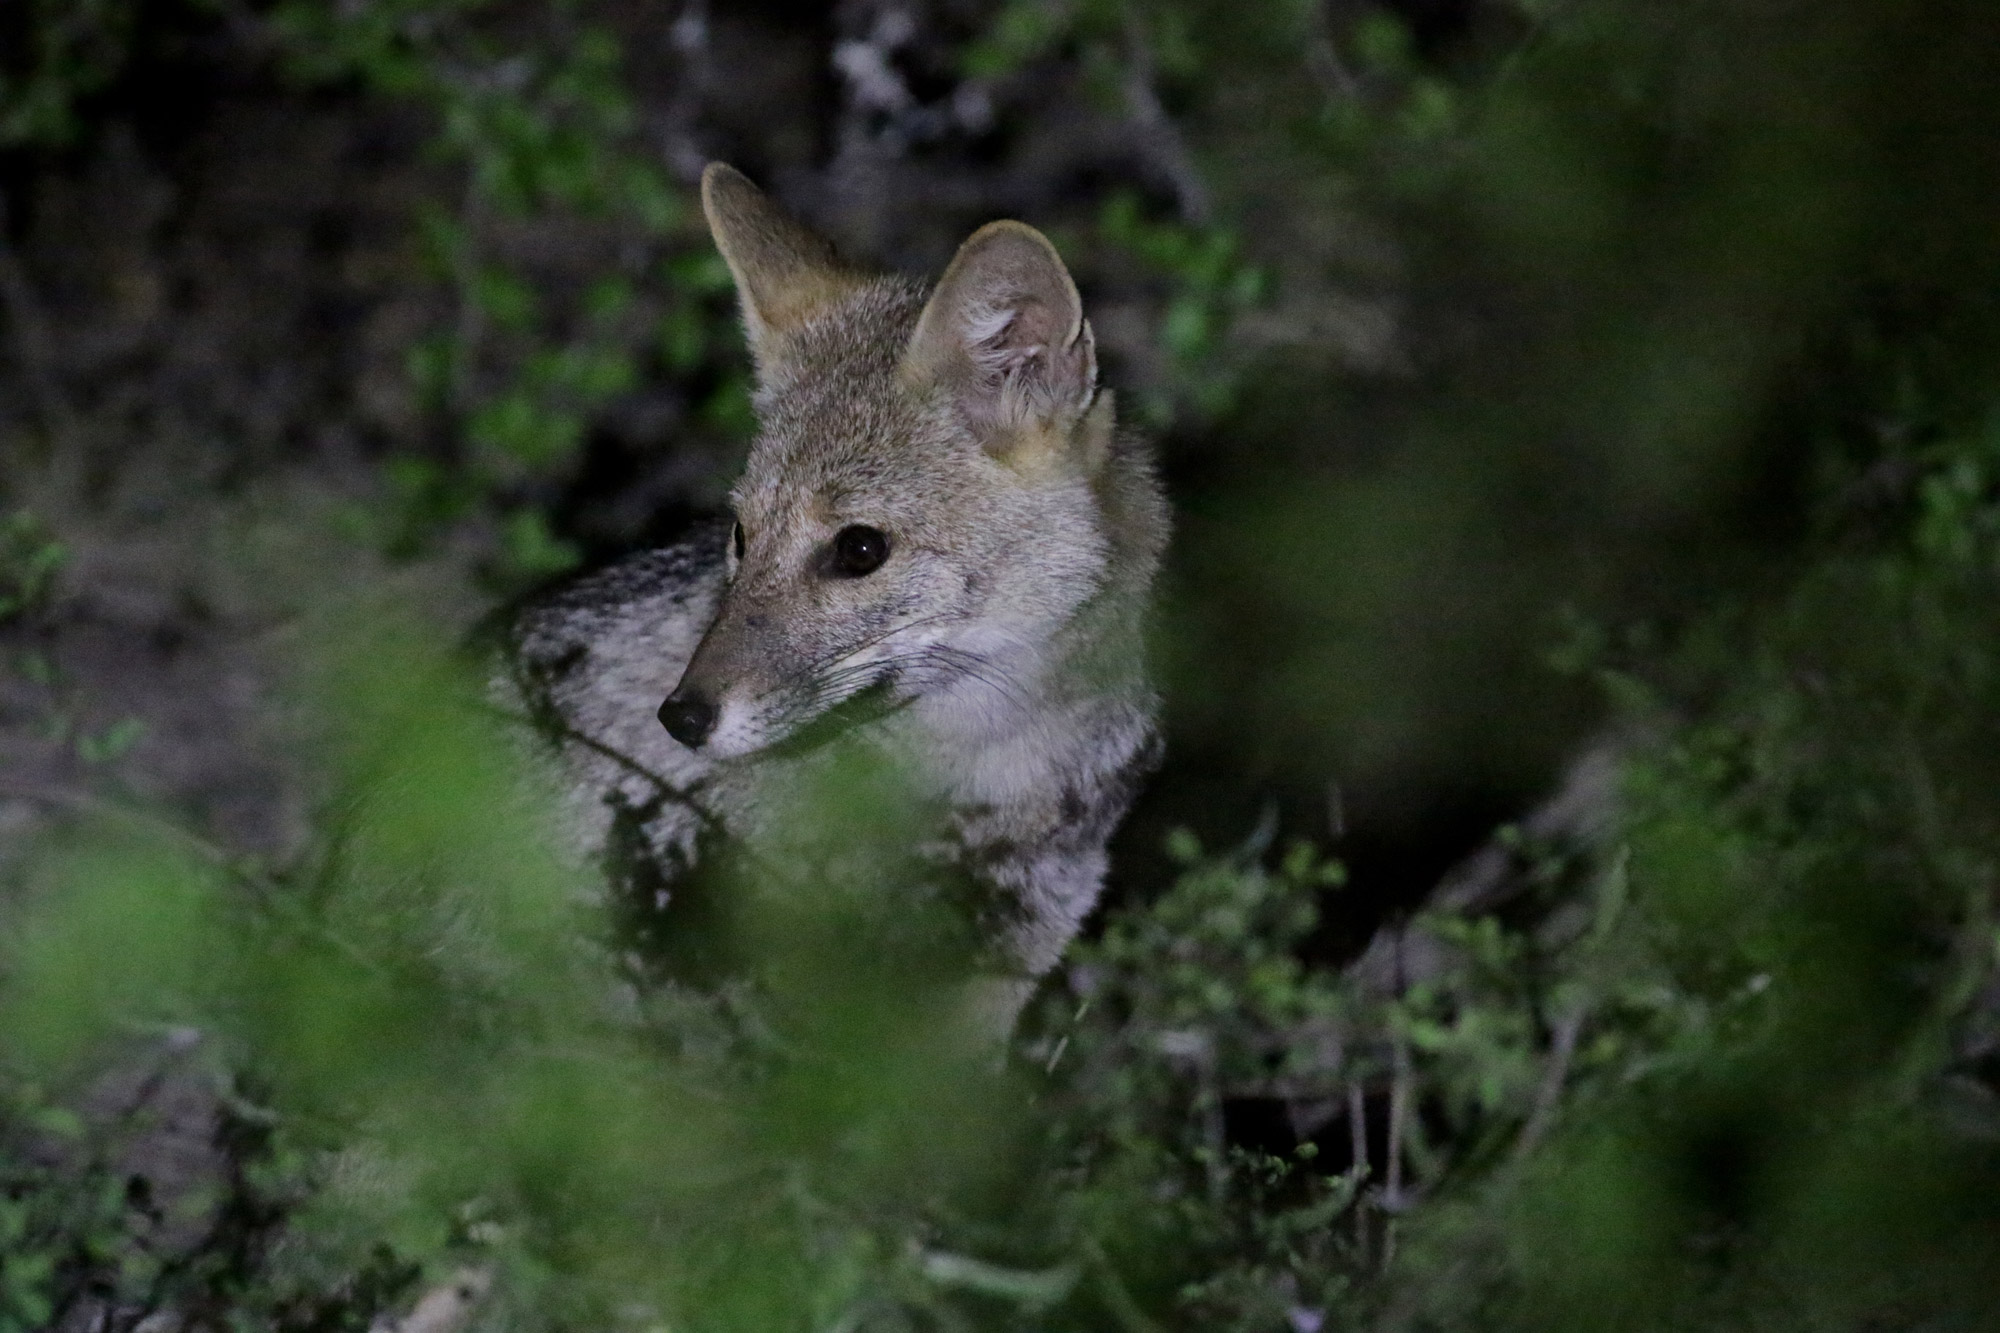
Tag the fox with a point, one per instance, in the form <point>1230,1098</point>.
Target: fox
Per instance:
<point>941,551</point>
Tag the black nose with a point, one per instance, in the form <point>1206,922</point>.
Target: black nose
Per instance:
<point>688,718</point>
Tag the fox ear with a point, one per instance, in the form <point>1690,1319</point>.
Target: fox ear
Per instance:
<point>1004,333</point>
<point>784,272</point>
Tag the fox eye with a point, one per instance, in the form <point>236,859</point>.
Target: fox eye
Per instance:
<point>858,550</point>
<point>736,538</point>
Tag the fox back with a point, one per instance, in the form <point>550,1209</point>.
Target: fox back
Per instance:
<point>941,554</point>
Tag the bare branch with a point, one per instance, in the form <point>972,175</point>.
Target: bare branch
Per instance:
<point>1323,61</point>
<point>1157,131</point>
<point>1562,1049</point>
<point>1357,1137</point>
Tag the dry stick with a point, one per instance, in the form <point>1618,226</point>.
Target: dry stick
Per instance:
<point>1324,64</point>
<point>1967,969</point>
<point>1562,1048</point>
<point>1357,1137</point>
<point>1215,1133</point>
<point>1399,1110</point>
<point>1168,150</point>
<point>1055,1057</point>
<point>679,136</point>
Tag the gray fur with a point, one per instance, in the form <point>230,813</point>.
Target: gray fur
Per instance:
<point>1002,639</point>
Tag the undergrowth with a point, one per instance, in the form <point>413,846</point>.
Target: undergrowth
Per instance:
<point>1720,1055</point>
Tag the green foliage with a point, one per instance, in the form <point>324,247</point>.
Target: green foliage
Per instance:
<point>513,376</point>
<point>1748,978</point>
<point>29,560</point>
<point>425,968</point>
<point>1193,999</point>
<point>1769,1097</point>
<point>1207,278</point>
<point>1182,40</point>
<point>68,50</point>
<point>1210,284</point>
<point>1721,1058</point>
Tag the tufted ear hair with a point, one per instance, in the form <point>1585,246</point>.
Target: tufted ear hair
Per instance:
<point>1004,335</point>
<point>785,273</point>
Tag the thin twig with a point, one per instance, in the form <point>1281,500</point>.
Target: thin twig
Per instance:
<point>1032,1287</point>
<point>89,803</point>
<point>1562,1048</point>
<point>1399,1112</point>
<point>1336,812</point>
<point>679,137</point>
<point>269,891</point>
<point>1055,1056</point>
<point>1399,1109</point>
<point>1157,129</point>
<point>1357,1137</point>
<point>1323,61</point>
<point>557,728</point>
<point>1197,1048</point>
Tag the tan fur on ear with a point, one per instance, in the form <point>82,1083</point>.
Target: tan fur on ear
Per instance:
<point>784,271</point>
<point>1005,334</point>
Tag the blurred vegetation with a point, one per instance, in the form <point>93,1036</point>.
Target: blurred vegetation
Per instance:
<point>1695,467</point>
<point>536,122</point>
<point>61,54</point>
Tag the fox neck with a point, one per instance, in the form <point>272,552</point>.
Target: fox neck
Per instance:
<point>1076,705</point>
<point>982,743</point>
<point>1047,712</point>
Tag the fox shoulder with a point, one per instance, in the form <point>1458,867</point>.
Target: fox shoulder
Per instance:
<point>587,660</point>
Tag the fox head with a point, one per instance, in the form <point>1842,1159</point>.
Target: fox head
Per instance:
<point>924,508</point>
